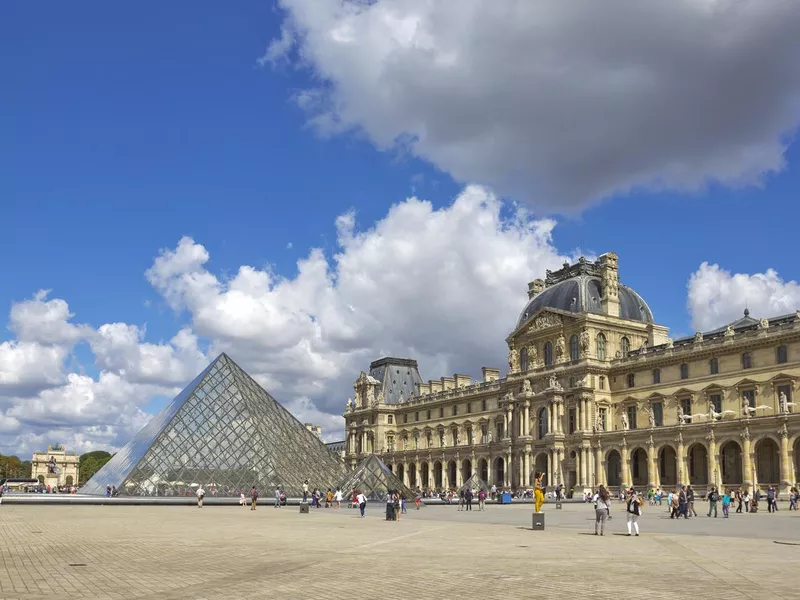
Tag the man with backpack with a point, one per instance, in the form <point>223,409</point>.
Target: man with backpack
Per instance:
<point>713,498</point>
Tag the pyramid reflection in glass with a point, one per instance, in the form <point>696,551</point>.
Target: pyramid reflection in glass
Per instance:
<point>374,479</point>
<point>226,433</point>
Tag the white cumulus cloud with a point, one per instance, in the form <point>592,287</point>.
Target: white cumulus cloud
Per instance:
<point>717,296</point>
<point>557,102</point>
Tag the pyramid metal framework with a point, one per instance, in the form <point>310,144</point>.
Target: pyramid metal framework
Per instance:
<point>374,479</point>
<point>475,483</point>
<point>226,433</point>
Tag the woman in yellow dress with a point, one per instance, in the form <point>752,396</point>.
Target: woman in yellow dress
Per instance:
<point>538,491</point>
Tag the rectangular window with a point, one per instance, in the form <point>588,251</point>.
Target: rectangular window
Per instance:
<point>390,419</point>
<point>684,371</point>
<point>469,407</point>
<point>713,366</point>
<point>572,420</point>
<point>441,412</point>
<point>603,418</point>
<point>716,402</point>
<point>484,432</point>
<point>405,418</point>
<point>747,361</point>
<point>631,380</point>
<point>428,415</point>
<point>656,376</point>
<point>782,354</point>
<point>500,432</point>
<point>416,416</point>
<point>751,397</point>
<point>602,385</point>
<point>686,405</point>
<point>455,410</point>
<point>658,413</point>
<point>632,417</point>
<point>483,405</point>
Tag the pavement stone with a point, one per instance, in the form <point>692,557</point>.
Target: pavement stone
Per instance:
<point>171,552</point>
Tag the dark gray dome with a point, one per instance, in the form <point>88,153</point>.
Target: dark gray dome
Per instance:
<point>583,294</point>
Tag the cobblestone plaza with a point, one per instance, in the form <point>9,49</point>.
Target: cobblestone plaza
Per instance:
<point>232,552</point>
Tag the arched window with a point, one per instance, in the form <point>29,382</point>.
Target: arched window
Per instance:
<point>548,353</point>
<point>523,360</point>
<point>542,423</point>
<point>625,346</point>
<point>573,347</point>
<point>747,360</point>
<point>601,346</point>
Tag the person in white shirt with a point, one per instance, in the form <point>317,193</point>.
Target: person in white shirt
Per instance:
<point>362,503</point>
<point>601,501</point>
<point>337,497</point>
<point>200,495</point>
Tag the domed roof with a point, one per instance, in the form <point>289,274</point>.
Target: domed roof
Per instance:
<point>581,291</point>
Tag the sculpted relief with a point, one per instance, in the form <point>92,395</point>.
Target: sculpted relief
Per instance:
<point>544,321</point>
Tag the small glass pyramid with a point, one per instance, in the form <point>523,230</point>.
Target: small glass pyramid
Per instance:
<point>476,484</point>
<point>226,433</point>
<point>374,479</point>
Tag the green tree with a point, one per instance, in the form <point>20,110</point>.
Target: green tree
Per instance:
<point>12,466</point>
<point>90,463</point>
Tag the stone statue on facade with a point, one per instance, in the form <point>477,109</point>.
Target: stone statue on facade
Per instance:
<point>560,346</point>
<point>729,331</point>
<point>554,384</point>
<point>746,407</point>
<point>625,423</point>
<point>651,417</point>
<point>698,337</point>
<point>51,465</point>
<point>670,343</point>
<point>526,387</point>
<point>379,399</point>
<point>763,324</point>
<point>682,416</point>
<point>533,356</point>
<point>783,402</point>
<point>598,423</point>
<point>513,359</point>
<point>584,342</point>
<point>349,404</point>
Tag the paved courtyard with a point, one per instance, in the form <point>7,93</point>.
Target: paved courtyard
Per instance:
<point>231,552</point>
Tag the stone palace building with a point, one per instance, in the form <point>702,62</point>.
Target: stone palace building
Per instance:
<point>596,392</point>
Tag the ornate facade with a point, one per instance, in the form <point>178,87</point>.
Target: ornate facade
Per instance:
<point>596,392</point>
<point>55,467</point>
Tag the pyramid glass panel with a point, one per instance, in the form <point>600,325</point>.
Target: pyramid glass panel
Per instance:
<point>476,484</point>
<point>374,479</point>
<point>226,433</point>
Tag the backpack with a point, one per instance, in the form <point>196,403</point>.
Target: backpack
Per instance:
<point>713,496</point>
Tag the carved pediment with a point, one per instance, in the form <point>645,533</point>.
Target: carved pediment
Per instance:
<point>783,377</point>
<point>684,392</point>
<point>747,383</point>
<point>545,319</point>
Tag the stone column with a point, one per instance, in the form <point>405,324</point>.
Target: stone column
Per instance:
<point>584,467</point>
<point>363,442</point>
<point>490,470</point>
<point>787,474</point>
<point>526,423</point>
<point>526,479</point>
<point>652,478</point>
<point>510,421</point>
<point>713,463</point>
<point>550,418</point>
<point>550,474</point>
<point>418,473</point>
<point>747,463</point>
<point>599,474</point>
<point>507,471</point>
<point>561,415</point>
<point>683,478</point>
<point>625,466</point>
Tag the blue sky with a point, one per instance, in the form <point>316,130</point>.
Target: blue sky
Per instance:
<point>126,127</point>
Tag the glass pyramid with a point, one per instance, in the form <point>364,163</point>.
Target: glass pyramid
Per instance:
<point>374,479</point>
<point>475,483</point>
<point>226,433</point>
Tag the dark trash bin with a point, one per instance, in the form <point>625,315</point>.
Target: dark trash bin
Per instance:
<point>391,513</point>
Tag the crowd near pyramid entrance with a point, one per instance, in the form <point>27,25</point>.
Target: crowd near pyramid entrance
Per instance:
<point>373,479</point>
<point>223,432</point>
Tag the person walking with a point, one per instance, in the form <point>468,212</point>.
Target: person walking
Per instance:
<point>683,503</point>
<point>634,508</point>
<point>337,498</point>
<point>201,493</point>
<point>253,497</point>
<point>726,503</point>
<point>601,508</point>
<point>361,499</point>
<point>713,498</point>
<point>468,498</point>
<point>482,500</point>
<point>538,491</point>
<point>305,490</point>
<point>278,497</point>
<point>690,499</point>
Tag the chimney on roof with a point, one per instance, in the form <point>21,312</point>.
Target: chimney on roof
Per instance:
<point>609,276</point>
<point>535,288</point>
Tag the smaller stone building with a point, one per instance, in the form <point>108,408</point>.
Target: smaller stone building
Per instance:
<point>55,467</point>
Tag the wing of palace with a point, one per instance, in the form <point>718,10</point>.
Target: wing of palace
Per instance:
<point>595,392</point>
